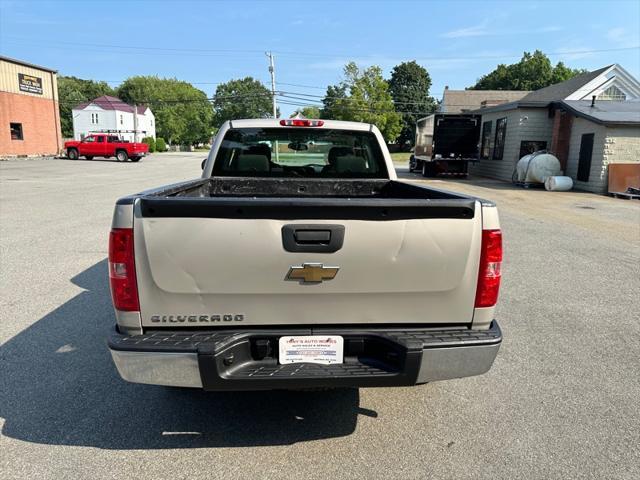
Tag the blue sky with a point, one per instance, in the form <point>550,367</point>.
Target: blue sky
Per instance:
<point>210,42</point>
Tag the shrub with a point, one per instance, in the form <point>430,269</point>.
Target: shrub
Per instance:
<point>151,142</point>
<point>161,146</point>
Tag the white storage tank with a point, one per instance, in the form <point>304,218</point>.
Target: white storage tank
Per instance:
<point>536,167</point>
<point>558,184</point>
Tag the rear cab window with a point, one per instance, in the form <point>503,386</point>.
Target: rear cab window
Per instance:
<point>300,152</point>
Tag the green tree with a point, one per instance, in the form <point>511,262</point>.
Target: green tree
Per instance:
<point>561,73</point>
<point>368,100</point>
<point>73,91</point>
<point>151,142</point>
<point>242,98</point>
<point>409,87</point>
<point>308,112</point>
<point>161,146</point>
<point>334,102</point>
<point>532,72</point>
<point>183,113</point>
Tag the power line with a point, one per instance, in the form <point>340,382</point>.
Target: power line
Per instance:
<point>192,83</point>
<point>359,109</point>
<point>179,100</point>
<point>301,96</point>
<point>302,86</point>
<point>133,47</point>
<point>225,52</point>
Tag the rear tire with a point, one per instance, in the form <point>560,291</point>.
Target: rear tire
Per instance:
<point>135,159</point>
<point>412,163</point>
<point>122,156</point>
<point>72,153</point>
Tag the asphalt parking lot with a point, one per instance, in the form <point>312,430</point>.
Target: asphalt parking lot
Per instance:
<point>562,400</point>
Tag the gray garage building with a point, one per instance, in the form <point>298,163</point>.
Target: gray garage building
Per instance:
<point>588,122</point>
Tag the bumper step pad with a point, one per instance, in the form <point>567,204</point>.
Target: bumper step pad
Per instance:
<point>247,359</point>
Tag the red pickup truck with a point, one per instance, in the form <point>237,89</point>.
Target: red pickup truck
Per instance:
<point>106,145</point>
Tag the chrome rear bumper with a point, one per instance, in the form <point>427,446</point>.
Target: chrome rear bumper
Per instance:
<point>246,360</point>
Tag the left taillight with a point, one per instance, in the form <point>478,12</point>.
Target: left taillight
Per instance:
<point>122,270</point>
<point>490,269</point>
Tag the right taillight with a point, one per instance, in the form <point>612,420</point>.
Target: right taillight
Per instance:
<point>489,274</point>
<point>122,270</point>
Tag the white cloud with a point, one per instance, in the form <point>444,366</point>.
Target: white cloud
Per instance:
<point>550,28</point>
<point>329,64</point>
<point>475,31</point>
<point>483,30</point>
<point>622,37</point>
<point>573,52</point>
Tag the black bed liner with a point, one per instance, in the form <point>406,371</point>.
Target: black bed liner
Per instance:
<point>290,199</point>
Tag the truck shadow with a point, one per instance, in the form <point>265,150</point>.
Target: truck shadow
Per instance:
<point>95,159</point>
<point>449,183</point>
<point>60,387</point>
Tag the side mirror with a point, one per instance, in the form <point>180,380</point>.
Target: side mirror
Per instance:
<point>203,163</point>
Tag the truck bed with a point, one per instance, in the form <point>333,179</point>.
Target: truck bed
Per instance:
<point>279,198</point>
<point>287,187</point>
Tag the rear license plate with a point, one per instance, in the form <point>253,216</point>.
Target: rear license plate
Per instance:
<point>322,349</point>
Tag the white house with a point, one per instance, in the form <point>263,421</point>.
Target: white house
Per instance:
<point>112,114</point>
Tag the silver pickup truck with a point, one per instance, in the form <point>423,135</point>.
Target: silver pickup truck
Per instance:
<point>299,260</point>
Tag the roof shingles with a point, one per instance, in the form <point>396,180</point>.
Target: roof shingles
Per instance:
<point>606,112</point>
<point>107,102</point>
<point>560,91</point>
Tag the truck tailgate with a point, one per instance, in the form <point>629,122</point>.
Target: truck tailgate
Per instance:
<point>200,268</point>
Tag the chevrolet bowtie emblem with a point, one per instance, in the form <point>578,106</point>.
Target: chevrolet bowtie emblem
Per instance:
<point>312,273</point>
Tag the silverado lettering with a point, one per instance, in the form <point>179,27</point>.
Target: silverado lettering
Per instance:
<point>238,317</point>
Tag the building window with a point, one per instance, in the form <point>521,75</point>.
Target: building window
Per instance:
<point>121,121</point>
<point>501,132</point>
<point>486,140</point>
<point>612,93</point>
<point>16,131</point>
<point>530,146</point>
<point>94,118</point>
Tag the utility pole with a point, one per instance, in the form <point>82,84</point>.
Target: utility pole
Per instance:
<point>272,71</point>
<point>135,123</point>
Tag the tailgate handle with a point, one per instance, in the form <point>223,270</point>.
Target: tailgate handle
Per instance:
<point>312,238</point>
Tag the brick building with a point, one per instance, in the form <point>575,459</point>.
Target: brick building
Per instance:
<point>29,113</point>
